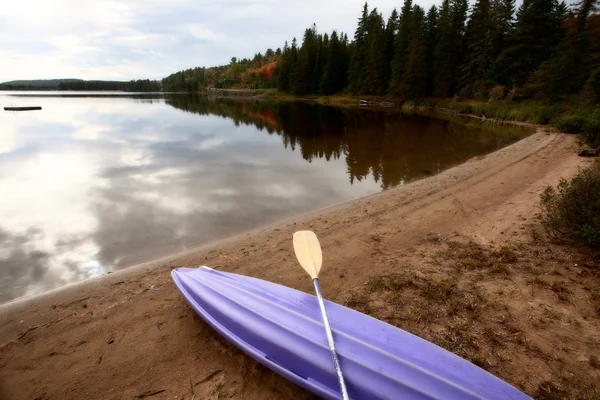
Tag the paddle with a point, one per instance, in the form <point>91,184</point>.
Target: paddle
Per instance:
<point>308,253</point>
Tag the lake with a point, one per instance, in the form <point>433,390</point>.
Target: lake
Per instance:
<point>96,183</point>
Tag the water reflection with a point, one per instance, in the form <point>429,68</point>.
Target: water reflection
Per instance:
<point>94,184</point>
<point>390,147</point>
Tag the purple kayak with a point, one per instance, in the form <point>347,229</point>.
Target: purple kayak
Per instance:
<point>282,328</point>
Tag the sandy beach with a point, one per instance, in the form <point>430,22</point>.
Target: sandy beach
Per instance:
<point>458,259</point>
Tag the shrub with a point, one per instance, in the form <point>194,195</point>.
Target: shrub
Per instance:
<point>571,123</point>
<point>408,107</point>
<point>497,93</point>
<point>592,85</point>
<point>591,132</point>
<point>572,210</point>
<point>545,115</point>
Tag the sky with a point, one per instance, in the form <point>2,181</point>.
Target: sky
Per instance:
<point>150,39</point>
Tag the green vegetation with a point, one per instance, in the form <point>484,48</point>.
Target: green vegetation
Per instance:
<point>256,73</point>
<point>571,116</point>
<point>572,210</point>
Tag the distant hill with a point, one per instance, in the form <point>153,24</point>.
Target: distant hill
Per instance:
<point>140,85</point>
<point>36,84</point>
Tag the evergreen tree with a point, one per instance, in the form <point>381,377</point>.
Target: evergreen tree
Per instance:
<point>449,52</point>
<point>431,37</point>
<point>334,76</point>
<point>344,63</point>
<point>401,48</point>
<point>414,79</point>
<point>307,63</point>
<point>324,59</point>
<point>570,67</point>
<point>443,53</point>
<point>479,38</point>
<point>284,69</point>
<point>538,30</point>
<point>359,53</point>
<point>503,16</point>
<point>391,29</point>
<point>293,63</point>
<point>372,77</point>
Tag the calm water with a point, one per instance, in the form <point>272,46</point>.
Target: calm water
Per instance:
<point>92,184</point>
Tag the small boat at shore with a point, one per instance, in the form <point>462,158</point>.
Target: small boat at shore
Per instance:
<point>282,328</point>
<point>33,108</point>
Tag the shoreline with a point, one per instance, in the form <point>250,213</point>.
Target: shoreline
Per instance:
<point>132,330</point>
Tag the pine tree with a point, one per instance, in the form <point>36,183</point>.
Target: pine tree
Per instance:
<point>283,69</point>
<point>401,43</point>
<point>359,53</point>
<point>293,63</point>
<point>334,75</point>
<point>479,38</point>
<point>569,68</point>
<point>344,63</point>
<point>323,59</point>
<point>538,30</point>
<point>449,52</point>
<point>307,63</point>
<point>414,78</point>
<point>325,81</point>
<point>431,36</point>
<point>503,15</point>
<point>443,53</point>
<point>391,29</point>
<point>372,78</point>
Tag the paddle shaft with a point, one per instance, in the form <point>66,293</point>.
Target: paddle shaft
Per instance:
<point>334,356</point>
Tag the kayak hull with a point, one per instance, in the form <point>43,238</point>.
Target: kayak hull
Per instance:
<point>282,329</point>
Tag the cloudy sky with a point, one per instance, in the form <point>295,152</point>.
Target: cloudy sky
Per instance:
<point>130,39</point>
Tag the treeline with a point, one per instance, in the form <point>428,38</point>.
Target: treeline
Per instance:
<point>256,73</point>
<point>140,85</point>
<point>35,84</point>
<point>545,49</point>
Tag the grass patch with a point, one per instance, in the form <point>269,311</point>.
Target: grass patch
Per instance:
<point>359,302</point>
<point>560,289</point>
<point>192,391</point>
<point>403,298</point>
<point>473,256</point>
<point>410,107</point>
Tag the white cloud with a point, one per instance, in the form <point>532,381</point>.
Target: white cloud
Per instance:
<point>133,39</point>
<point>201,32</point>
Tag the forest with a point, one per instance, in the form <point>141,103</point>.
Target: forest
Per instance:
<point>544,50</point>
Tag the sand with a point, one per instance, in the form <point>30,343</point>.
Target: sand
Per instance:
<point>456,258</point>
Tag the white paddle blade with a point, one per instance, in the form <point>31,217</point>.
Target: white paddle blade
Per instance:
<point>308,252</point>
